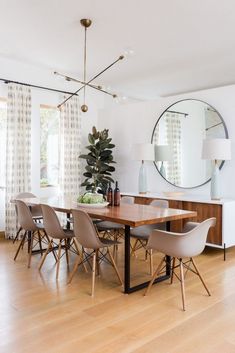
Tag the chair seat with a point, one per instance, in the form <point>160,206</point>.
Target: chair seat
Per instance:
<point>109,242</point>
<point>106,225</point>
<point>143,232</point>
<point>68,233</point>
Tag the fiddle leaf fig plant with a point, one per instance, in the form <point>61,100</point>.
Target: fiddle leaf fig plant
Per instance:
<point>99,159</point>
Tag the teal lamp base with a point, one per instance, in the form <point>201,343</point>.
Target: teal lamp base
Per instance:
<point>215,183</point>
<point>163,170</point>
<point>142,179</point>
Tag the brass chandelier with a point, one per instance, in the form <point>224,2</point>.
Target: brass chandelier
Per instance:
<point>85,22</point>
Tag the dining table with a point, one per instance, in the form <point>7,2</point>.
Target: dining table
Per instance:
<point>130,215</point>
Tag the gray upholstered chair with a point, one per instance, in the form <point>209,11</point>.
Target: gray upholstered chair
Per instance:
<point>35,211</point>
<point>87,236</point>
<point>141,234</point>
<point>30,227</point>
<point>179,246</point>
<point>114,230</point>
<point>56,232</point>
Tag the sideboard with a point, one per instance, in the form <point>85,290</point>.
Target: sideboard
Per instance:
<point>221,236</point>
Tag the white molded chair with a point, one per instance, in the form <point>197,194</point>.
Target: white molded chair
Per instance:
<point>141,234</point>
<point>87,236</point>
<point>56,232</point>
<point>179,246</point>
<point>35,211</point>
<point>30,228</point>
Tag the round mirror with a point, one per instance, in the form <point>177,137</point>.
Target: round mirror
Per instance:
<point>178,136</point>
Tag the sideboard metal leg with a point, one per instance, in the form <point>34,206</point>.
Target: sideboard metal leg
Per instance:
<point>224,252</point>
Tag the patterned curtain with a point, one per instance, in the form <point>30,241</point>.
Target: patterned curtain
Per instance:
<point>18,149</point>
<point>70,148</point>
<point>173,138</point>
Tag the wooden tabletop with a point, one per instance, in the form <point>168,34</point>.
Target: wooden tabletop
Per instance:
<point>131,215</point>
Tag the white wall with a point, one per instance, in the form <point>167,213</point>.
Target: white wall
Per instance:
<point>16,71</point>
<point>134,123</point>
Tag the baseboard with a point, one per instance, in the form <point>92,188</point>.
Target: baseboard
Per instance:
<point>2,235</point>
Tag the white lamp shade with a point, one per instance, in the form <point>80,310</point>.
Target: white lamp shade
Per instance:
<point>143,152</point>
<point>163,153</point>
<point>219,149</point>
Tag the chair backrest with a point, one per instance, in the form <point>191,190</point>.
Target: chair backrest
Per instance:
<point>182,245</point>
<point>128,200</point>
<point>35,209</point>
<point>25,195</point>
<point>51,223</point>
<point>24,215</point>
<point>84,230</point>
<point>160,203</point>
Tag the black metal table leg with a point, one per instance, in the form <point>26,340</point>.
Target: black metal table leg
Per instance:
<point>127,271</point>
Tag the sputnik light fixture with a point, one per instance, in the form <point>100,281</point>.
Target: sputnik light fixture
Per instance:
<point>85,22</point>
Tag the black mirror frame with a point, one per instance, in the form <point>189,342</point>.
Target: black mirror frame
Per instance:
<point>226,135</point>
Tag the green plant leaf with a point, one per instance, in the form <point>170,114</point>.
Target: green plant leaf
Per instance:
<point>91,139</point>
<point>88,175</point>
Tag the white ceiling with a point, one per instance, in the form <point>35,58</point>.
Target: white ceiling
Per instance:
<point>179,45</point>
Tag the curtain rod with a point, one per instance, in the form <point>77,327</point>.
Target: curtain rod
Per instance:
<point>35,86</point>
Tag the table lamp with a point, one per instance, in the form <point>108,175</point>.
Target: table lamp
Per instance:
<point>163,153</point>
<point>216,150</point>
<point>143,152</point>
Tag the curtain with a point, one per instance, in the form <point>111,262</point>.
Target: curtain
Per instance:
<point>70,148</point>
<point>173,138</point>
<point>18,150</point>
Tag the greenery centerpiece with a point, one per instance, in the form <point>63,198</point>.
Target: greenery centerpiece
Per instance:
<point>99,162</point>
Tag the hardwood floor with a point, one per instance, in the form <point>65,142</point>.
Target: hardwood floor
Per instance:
<point>38,314</point>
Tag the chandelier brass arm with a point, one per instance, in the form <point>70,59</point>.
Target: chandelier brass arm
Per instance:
<point>69,78</point>
<point>92,79</point>
<point>86,23</point>
<point>98,88</point>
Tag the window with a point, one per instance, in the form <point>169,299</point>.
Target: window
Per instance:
<point>49,146</point>
<point>3,120</point>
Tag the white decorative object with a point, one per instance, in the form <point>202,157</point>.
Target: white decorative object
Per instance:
<point>163,153</point>
<point>143,152</point>
<point>216,150</point>
<point>18,150</point>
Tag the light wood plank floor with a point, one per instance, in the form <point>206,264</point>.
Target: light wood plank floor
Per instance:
<point>39,315</point>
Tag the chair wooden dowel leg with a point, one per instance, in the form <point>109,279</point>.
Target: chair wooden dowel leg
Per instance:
<point>58,261</point>
<point>40,242</point>
<point>93,274</point>
<point>74,269</point>
<point>199,275</point>
<point>17,234</point>
<point>134,248</point>
<point>80,254</point>
<point>115,266</point>
<point>21,243</point>
<point>45,255</point>
<point>151,261</point>
<point>97,263</point>
<point>30,248</point>
<point>24,237</point>
<point>182,283</point>
<point>154,276</point>
<point>172,270</point>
